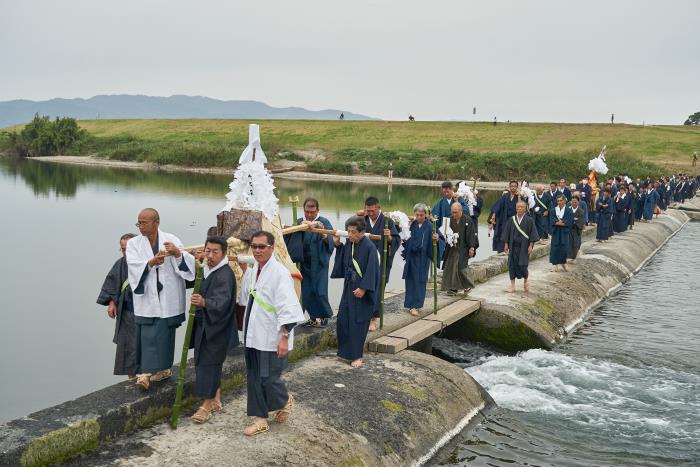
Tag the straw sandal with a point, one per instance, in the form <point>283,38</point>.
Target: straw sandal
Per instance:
<point>258,426</point>
<point>161,375</point>
<point>143,381</point>
<point>217,406</point>
<point>283,414</point>
<point>202,415</point>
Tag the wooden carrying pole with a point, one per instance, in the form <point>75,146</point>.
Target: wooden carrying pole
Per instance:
<point>434,266</point>
<point>386,258</point>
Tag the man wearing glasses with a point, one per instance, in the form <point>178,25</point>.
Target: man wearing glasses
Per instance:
<point>272,312</point>
<point>158,270</point>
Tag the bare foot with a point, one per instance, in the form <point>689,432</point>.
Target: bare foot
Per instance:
<point>573,261</point>
<point>373,325</point>
<point>356,363</point>
<point>554,270</point>
<point>414,312</point>
<point>510,290</point>
<point>566,268</point>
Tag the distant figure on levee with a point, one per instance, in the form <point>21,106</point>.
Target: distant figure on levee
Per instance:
<point>411,118</point>
<point>116,295</point>
<point>459,249</point>
<point>519,237</point>
<point>272,312</point>
<point>561,218</point>
<point>213,326</point>
<point>158,282</point>
<point>612,119</point>
<point>495,121</point>
<point>357,263</point>
<point>695,158</point>
<point>342,116</point>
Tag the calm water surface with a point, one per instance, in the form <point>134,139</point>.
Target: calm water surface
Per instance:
<point>60,231</point>
<point>623,390</point>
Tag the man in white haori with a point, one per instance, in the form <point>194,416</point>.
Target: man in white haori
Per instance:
<point>272,312</point>
<point>158,284</point>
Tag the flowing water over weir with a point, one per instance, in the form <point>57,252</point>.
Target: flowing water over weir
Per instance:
<point>623,390</point>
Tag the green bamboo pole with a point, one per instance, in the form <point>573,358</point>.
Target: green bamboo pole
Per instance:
<point>435,259</point>
<point>386,258</point>
<point>295,201</point>
<point>186,349</point>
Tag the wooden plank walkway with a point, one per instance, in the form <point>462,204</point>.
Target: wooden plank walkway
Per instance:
<point>418,330</point>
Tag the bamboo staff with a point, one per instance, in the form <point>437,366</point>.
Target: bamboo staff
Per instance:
<point>185,348</point>
<point>308,228</point>
<point>386,258</point>
<point>295,200</point>
<point>434,265</point>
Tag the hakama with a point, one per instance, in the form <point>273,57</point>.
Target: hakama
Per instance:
<point>455,266</point>
<point>560,236</point>
<point>576,231</point>
<point>418,253</point>
<point>604,210</point>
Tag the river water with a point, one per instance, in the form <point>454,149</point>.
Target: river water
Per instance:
<point>59,235</point>
<point>624,389</point>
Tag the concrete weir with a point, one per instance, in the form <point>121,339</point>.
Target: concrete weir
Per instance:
<point>559,301</point>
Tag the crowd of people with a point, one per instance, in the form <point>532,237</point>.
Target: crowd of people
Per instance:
<point>145,289</point>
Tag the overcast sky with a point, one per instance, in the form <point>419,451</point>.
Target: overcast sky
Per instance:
<point>522,60</point>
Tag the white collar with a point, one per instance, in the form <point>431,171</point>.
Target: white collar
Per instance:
<point>560,211</point>
<point>371,222</point>
<point>206,270</point>
<point>519,218</point>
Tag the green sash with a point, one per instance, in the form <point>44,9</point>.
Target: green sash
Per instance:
<point>265,306</point>
<point>541,203</point>
<point>517,226</point>
<point>356,265</point>
<point>125,284</point>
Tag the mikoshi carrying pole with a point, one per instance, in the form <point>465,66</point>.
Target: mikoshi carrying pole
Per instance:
<point>186,348</point>
<point>386,258</point>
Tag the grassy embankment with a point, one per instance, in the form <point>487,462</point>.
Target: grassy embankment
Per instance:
<point>427,150</point>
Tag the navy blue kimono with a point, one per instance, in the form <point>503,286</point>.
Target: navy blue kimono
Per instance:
<point>354,314</point>
<point>418,253</point>
<point>541,221</point>
<point>504,210</point>
<point>604,209</point>
<point>560,236</point>
<point>443,208</point>
<point>477,211</point>
<point>514,235</point>
<point>314,269</point>
<point>620,220</point>
<point>650,204</point>
<point>639,209</point>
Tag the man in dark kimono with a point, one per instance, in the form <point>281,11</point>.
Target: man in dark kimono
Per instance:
<point>503,210</point>
<point>476,209</point>
<point>621,206</point>
<point>418,253</point>
<point>213,326</point>
<point>116,295</point>
<point>357,263</point>
<point>604,209</point>
<point>519,237</point>
<point>576,228</point>
<point>540,213</point>
<point>564,190</point>
<point>441,209</point>
<point>314,267</point>
<point>459,249</point>
<point>375,222</point>
<point>561,218</point>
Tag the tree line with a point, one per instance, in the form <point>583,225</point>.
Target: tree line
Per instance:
<point>45,137</point>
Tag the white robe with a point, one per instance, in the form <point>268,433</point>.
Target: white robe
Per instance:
<point>276,288</point>
<point>171,300</point>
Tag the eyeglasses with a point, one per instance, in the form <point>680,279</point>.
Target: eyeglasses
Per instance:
<point>258,247</point>
<point>140,223</point>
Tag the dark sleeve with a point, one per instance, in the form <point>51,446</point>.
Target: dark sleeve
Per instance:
<point>183,265</point>
<point>505,235</point>
<point>111,287</point>
<point>139,290</point>
<point>328,243</point>
<point>295,246</point>
<point>533,234</point>
<point>395,240</point>
<point>220,297</point>
<point>338,272</point>
<point>472,238</point>
<point>371,274</point>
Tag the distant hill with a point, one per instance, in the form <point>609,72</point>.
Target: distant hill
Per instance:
<point>129,106</point>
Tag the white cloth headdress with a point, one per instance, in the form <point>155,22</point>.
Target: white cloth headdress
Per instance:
<point>253,144</point>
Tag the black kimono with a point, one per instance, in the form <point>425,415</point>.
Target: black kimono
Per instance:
<point>576,231</point>
<point>455,264</point>
<point>519,237</point>
<point>116,288</point>
<point>214,330</point>
<point>354,314</point>
<point>393,244</point>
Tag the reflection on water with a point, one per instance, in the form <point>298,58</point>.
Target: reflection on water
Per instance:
<point>61,225</point>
